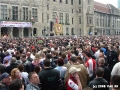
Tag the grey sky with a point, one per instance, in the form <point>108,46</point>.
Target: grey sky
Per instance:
<point>113,2</point>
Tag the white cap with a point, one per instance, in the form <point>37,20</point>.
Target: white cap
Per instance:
<point>73,70</point>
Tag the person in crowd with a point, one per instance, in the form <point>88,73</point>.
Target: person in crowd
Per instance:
<point>16,84</point>
<point>62,69</point>
<point>79,59</point>
<point>112,57</point>
<point>5,81</point>
<point>34,81</point>
<point>99,80</point>
<point>54,59</point>
<point>27,64</point>
<point>74,82</point>
<point>18,61</point>
<point>37,69</point>
<point>83,73</point>
<point>49,77</point>
<point>12,65</point>
<point>106,76</point>
<point>115,82</point>
<point>23,74</point>
<point>29,57</point>
<point>2,68</point>
<point>90,64</point>
<point>7,57</point>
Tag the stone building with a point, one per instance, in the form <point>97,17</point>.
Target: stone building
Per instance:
<point>25,18</point>
<point>106,19</point>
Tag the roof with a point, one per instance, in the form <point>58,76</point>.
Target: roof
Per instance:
<point>101,7</point>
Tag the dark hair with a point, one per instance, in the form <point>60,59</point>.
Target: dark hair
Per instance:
<point>30,75</point>
<point>37,69</point>
<point>99,72</point>
<point>21,67</point>
<point>17,57</point>
<point>115,80</point>
<point>46,62</point>
<point>48,56</point>
<point>16,84</point>
<point>63,55</point>
<point>73,59</point>
<point>60,62</point>
<point>88,54</point>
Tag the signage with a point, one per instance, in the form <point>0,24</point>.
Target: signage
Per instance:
<point>15,24</point>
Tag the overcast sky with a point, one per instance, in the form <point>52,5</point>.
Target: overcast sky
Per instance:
<point>113,2</point>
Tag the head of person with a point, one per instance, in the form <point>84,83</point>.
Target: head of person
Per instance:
<point>23,57</point>
<point>42,55</point>
<point>73,60</point>
<point>20,67</point>
<point>87,55</point>
<point>15,74</point>
<point>101,62</point>
<point>37,69</point>
<point>79,59</point>
<point>28,54</point>
<point>33,78</point>
<point>101,55</point>
<point>16,84</point>
<point>46,63</point>
<point>13,60</point>
<point>99,72</point>
<point>74,70</point>
<point>5,78</point>
<point>48,56</point>
<point>60,62</point>
<point>115,81</point>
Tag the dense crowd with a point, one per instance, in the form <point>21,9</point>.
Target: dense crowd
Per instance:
<point>60,63</point>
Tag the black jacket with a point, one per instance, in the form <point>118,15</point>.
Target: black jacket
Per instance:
<point>9,68</point>
<point>50,79</point>
<point>27,66</point>
<point>96,84</point>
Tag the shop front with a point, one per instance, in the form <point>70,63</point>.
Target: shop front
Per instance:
<point>16,29</point>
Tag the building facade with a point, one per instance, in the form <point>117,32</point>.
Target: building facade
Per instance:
<point>106,19</point>
<point>76,17</point>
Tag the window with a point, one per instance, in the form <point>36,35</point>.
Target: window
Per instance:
<point>71,2</point>
<point>54,16</point>
<point>34,14</point>
<point>72,21</point>
<point>60,1</point>
<point>72,31</point>
<point>25,13</point>
<point>66,1</point>
<point>79,10</point>
<point>108,21</point>
<point>72,10</point>
<point>61,17</point>
<point>66,18</point>
<point>14,12</point>
<point>90,20</point>
<point>3,11</point>
<point>47,7</point>
<point>79,2</point>
<point>80,32</point>
<point>97,22</point>
<point>103,22</point>
<point>87,20</point>
<point>47,18</point>
<point>88,1</point>
<point>54,0</point>
<point>79,20</point>
<point>67,31</point>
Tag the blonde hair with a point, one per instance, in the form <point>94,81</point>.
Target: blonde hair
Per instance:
<point>13,73</point>
<point>37,57</point>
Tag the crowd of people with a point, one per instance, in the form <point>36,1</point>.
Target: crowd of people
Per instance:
<point>60,63</point>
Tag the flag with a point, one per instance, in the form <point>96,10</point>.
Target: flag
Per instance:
<point>56,19</point>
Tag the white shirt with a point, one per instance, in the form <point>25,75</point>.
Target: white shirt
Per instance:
<point>116,69</point>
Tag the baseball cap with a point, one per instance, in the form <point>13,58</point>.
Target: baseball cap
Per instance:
<point>4,75</point>
<point>73,70</point>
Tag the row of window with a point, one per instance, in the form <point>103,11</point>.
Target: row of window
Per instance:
<point>66,1</point>
<point>105,21</point>
<point>16,12</point>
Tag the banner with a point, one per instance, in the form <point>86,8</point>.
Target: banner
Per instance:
<point>58,28</point>
<point>15,24</point>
